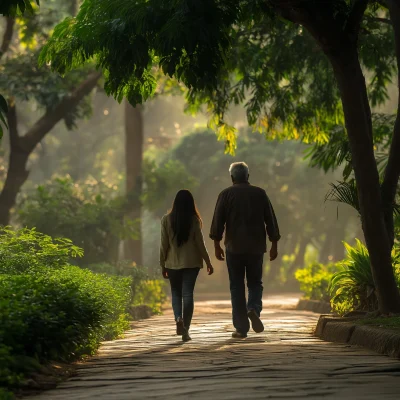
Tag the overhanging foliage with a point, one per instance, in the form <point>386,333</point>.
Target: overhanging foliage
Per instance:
<point>226,52</point>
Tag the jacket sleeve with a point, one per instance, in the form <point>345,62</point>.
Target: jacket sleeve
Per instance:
<point>164,246</point>
<point>219,219</point>
<point>271,221</point>
<point>199,238</point>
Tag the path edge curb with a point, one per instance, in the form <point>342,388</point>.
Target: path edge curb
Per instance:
<point>319,307</point>
<point>346,330</point>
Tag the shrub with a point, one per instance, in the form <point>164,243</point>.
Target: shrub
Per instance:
<point>314,280</point>
<point>28,250</point>
<point>50,310</point>
<point>145,291</point>
<point>152,293</point>
<point>61,314</point>
<point>353,287</point>
<point>90,214</point>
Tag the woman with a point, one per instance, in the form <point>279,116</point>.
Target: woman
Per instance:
<point>182,253</point>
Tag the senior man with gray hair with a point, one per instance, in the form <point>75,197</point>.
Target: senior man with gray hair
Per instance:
<point>246,215</point>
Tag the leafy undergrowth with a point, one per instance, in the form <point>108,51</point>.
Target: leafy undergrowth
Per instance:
<point>50,310</point>
<point>382,322</point>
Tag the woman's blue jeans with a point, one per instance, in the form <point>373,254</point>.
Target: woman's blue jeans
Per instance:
<point>182,283</point>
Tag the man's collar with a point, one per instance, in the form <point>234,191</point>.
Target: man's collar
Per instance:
<point>241,183</point>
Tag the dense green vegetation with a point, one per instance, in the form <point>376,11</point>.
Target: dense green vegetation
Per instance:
<point>315,279</point>
<point>51,310</point>
<point>348,285</point>
<point>90,213</point>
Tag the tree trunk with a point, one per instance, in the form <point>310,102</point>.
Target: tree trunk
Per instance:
<point>133,161</point>
<point>16,177</point>
<point>74,7</point>
<point>392,172</point>
<point>299,260</point>
<point>7,36</point>
<point>22,147</point>
<point>353,92</point>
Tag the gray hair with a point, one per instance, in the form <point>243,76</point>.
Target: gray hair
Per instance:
<point>239,171</point>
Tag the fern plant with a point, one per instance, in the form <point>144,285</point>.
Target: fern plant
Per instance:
<point>353,288</point>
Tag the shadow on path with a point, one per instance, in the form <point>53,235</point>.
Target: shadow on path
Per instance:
<point>284,362</point>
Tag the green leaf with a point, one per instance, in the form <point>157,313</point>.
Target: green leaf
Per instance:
<point>3,105</point>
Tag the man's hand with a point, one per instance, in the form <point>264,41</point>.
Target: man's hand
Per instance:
<point>210,269</point>
<point>165,273</point>
<point>219,253</point>
<point>273,253</point>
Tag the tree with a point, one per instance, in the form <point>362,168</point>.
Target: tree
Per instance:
<point>134,139</point>
<point>21,80</point>
<point>223,50</point>
<point>10,8</point>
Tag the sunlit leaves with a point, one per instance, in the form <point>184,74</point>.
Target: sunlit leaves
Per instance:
<point>224,52</point>
<point>336,151</point>
<point>353,287</point>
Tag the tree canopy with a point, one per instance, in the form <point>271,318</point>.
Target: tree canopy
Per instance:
<point>226,53</point>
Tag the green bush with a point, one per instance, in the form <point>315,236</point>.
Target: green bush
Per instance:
<point>146,291</point>
<point>50,310</point>
<point>353,287</point>
<point>90,214</point>
<point>152,293</point>
<point>27,250</point>
<point>314,280</point>
<point>63,313</point>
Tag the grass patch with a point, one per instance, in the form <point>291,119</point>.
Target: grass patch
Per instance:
<point>382,322</point>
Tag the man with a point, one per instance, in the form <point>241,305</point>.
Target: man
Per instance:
<point>246,215</point>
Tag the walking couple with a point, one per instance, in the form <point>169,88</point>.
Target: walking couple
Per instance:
<point>245,214</point>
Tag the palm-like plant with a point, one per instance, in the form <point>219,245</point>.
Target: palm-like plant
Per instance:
<point>346,192</point>
<point>353,287</point>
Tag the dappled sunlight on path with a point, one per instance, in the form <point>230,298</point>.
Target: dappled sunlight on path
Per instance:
<point>284,362</point>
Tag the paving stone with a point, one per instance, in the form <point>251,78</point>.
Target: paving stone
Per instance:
<point>284,362</point>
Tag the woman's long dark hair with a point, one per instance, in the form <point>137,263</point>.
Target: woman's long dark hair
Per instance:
<point>182,213</point>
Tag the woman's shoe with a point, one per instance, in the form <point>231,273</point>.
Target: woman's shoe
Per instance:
<point>239,335</point>
<point>180,328</point>
<point>185,336</point>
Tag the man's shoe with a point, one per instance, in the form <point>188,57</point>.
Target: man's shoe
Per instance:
<point>185,336</point>
<point>239,335</point>
<point>256,323</point>
<point>180,328</point>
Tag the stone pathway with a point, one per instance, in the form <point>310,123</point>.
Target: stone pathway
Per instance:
<point>284,362</point>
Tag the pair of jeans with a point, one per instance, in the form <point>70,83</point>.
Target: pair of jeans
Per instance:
<point>182,283</point>
<point>241,266</point>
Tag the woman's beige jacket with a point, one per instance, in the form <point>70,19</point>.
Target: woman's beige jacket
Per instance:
<point>190,255</point>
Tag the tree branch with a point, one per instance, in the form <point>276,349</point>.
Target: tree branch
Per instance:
<point>356,16</point>
<point>52,117</point>
<point>7,37</point>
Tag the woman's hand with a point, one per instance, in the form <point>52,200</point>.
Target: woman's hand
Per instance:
<point>165,273</point>
<point>210,269</point>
